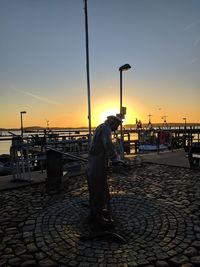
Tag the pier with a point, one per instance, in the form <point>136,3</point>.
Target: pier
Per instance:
<point>181,137</point>
<point>29,153</point>
<point>155,203</point>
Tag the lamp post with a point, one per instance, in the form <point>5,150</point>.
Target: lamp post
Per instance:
<point>122,110</point>
<point>22,130</point>
<point>184,136</point>
<point>185,122</point>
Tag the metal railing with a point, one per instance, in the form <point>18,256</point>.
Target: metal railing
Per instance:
<point>28,155</point>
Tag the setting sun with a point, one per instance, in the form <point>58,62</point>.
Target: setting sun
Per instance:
<point>103,109</point>
<point>102,112</point>
<point>103,115</point>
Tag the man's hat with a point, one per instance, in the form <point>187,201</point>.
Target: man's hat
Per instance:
<point>114,118</point>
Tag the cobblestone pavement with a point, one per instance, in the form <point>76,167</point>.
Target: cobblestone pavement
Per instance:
<point>156,208</point>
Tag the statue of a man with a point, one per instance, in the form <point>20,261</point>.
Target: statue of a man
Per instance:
<point>101,149</point>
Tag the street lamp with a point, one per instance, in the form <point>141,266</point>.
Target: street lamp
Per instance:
<point>185,122</point>
<point>22,130</point>
<point>122,109</point>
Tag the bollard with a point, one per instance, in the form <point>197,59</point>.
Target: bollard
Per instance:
<point>127,147</point>
<point>54,171</point>
<point>194,156</point>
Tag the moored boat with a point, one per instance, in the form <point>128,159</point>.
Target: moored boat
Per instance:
<point>149,140</point>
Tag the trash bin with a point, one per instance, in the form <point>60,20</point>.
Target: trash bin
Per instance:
<point>54,168</point>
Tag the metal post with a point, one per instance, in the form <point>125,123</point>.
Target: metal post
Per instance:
<point>87,67</point>
<point>21,125</point>
<point>122,113</point>
<point>185,122</point>
<point>22,129</point>
<point>121,131</point>
<point>54,170</point>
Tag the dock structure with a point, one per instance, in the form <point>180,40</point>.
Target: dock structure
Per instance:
<point>155,204</point>
<point>28,154</point>
<point>180,137</point>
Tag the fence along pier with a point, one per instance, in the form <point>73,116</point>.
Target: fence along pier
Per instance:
<point>29,153</point>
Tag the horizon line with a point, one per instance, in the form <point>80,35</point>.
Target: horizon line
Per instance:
<point>86,127</point>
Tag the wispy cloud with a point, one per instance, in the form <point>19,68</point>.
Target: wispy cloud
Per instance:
<point>196,42</point>
<point>38,97</point>
<point>191,25</point>
<point>194,60</point>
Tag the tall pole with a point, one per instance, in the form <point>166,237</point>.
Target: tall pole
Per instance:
<point>185,122</point>
<point>21,125</point>
<point>122,113</point>
<point>22,129</point>
<point>120,110</point>
<point>87,68</point>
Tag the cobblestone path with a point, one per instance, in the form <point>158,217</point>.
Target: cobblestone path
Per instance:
<point>156,208</point>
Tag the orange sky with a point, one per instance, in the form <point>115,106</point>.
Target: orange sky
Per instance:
<point>60,115</point>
